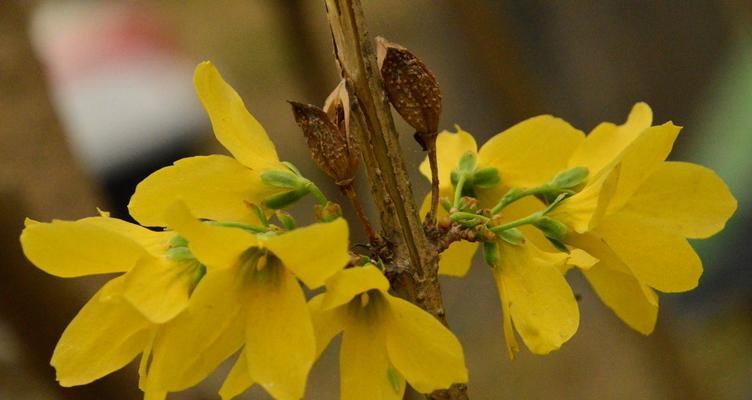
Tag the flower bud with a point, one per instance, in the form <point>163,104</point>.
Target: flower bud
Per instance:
<point>331,148</point>
<point>411,87</point>
<point>552,228</point>
<point>512,236</point>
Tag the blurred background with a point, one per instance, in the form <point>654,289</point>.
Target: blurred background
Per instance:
<point>94,95</point>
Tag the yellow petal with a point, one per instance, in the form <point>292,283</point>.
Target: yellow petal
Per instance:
<point>541,303</point>
<point>348,283</point>
<point>214,246</point>
<point>607,141</point>
<point>365,371</point>
<point>214,187</point>
<point>640,159</point>
<point>233,125</point>
<point>509,338</point>
<point>659,259</point>
<point>280,342</point>
<point>326,323</point>
<point>457,259</point>
<point>313,253</point>
<point>238,380</point>
<point>155,395</point>
<point>531,152</point>
<point>193,344</point>
<point>684,198</point>
<point>626,296</point>
<point>156,243</point>
<point>159,289</point>
<point>423,350</point>
<point>102,338</point>
<point>449,148</point>
<point>76,248</point>
<point>581,259</point>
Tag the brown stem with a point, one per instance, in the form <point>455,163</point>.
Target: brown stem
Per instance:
<point>413,271</point>
<point>431,148</point>
<point>349,191</point>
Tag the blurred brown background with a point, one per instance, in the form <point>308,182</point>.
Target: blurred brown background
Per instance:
<point>96,94</point>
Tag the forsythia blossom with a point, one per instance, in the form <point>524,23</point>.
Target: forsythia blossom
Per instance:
<point>220,278</point>
<point>385,340</point>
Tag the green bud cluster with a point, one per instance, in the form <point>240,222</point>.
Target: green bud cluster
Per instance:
<point>474,177</point>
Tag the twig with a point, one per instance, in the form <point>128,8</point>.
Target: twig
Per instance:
<point>414,270</point>
<point>349,191</point>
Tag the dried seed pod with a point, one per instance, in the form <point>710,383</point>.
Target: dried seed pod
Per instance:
<point>411,87</point>
<point>330,146</point>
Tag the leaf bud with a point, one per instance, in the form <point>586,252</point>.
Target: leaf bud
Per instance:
<point>486,177</point>
<point>551,228</point>
<point>284,199</point>
<point>282,179</point>
<point>411,87</point>
<point>330,147</point>
<point>512,236</point>
<point>570,179</point>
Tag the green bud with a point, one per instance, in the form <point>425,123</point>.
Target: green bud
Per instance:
<point>285,219</point>
<point>454,177</point>
<point>551,228</point>
<point>467,162</point>
<point>446,203</point>
<point>486,177</point>
<point>282,179</point>
<point>178,241</point>
<point>491,253</point>
<point>512,236</point>
<point>282,200</point>
<point>570,178</point>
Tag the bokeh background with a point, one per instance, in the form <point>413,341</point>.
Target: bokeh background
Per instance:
<point>96,94</point>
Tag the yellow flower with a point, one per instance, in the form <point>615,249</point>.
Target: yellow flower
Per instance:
<point>250,297</point>
<point>386,340</point>
<point>119,322</point>
<point>528,154</point>
<point>636,214</point>
<point>536,299</point>
<point>214,187</point>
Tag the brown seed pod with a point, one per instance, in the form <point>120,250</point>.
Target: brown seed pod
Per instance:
<point>330,146</point>
<point>411,87</point>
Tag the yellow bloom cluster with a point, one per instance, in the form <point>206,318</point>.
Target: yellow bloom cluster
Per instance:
<point>218,279</point>
<point>214,278</point>
<point>624,221</point>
